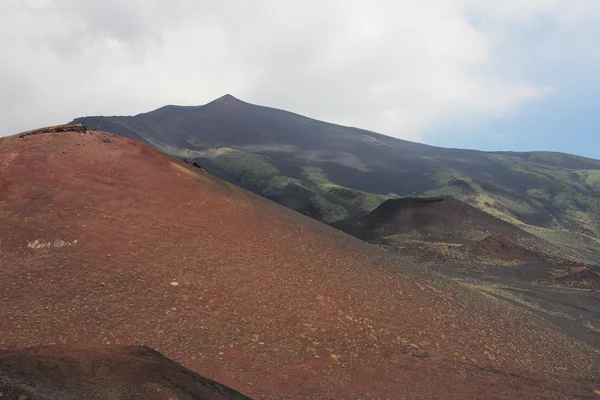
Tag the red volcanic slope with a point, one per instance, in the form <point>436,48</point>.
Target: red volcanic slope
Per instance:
<point>102,372</point>
<point>105,240</point>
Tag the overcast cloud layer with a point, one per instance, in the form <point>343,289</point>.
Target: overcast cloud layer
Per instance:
<point>399,67</point>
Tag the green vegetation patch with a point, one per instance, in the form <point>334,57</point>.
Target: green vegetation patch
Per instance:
<point>316,175</point>
<point>331,212</point>
<point>570,195</point>
<point>352,197</point>
<point>445,175</point>
<point>201,145</point>
<point>538,193</point>
<point>590,178</point>
<point>561,158</point>
<point>280,182</point>
<point>247,167</point>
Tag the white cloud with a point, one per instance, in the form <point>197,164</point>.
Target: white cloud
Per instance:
<point>398,67</point>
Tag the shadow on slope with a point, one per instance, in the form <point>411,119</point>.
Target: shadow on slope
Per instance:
<point>102,372</point>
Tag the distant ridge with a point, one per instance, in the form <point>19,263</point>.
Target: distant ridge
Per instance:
<point>333,172</point>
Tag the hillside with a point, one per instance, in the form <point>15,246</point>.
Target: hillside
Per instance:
<point>430,218</point>
<point>102,372</point>
<point>106,240</point>
<point>332,172</point>
<point>418,225</point>
<point>503,248</point>
<point>493,255</point>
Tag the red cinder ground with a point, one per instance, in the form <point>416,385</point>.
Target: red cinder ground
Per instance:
<point>105,240</point>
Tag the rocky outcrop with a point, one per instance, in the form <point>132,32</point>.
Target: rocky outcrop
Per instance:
<point>56,129</point>
<point>102,372</point>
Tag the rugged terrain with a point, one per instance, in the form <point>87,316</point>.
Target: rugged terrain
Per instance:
<point>332,172</point>
<point>106,240</point>
<point>98,372</point>
<point>467,244</point>
<point>435,217</point>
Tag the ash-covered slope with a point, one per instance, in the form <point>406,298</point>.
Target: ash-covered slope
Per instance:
<point>102,372</point>
<point>501,247</point>
<point>441,217</point>
<point>582,277</point>
<point>106,240</point>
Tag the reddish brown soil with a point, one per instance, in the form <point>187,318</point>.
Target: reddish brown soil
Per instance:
<point>97,229</point>
<point>102,372</point>
<point>503,248</point>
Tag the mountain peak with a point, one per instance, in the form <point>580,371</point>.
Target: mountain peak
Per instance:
<point>227,102</point>
<point>227,98</point>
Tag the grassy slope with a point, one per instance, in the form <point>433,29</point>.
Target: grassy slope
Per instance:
<point>357,198</point>
<point>569,194</point>
<point>569,197</point>
<point>260,174</point>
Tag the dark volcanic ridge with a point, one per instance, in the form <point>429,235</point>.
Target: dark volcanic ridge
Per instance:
<point>503,248</point>
<point>434,218</point>
<point>102,372</point>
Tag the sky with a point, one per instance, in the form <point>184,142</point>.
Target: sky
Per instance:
<point>511,75</point>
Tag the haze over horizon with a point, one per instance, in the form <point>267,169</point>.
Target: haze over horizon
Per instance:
<point>519,75</point>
